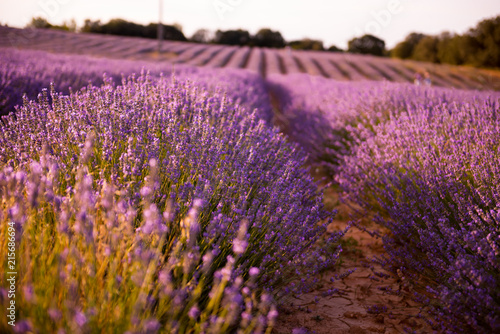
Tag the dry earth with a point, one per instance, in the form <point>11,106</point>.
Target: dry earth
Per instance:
<point>361,305</point>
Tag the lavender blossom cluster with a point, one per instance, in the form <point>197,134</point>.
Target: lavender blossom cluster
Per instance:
<point>432,175</point>
<point>155,206</point>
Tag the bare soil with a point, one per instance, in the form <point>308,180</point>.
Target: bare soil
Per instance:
<point>362,304</point>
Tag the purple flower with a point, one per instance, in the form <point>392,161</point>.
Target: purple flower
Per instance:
<point>254,271</point>
<point>80,318</point>
<point>193,312</point>
<point>151,326</point>
<point>239,246</point>
<point>29,293</point>
<point>23,326</point>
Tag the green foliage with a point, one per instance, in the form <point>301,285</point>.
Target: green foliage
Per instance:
<point>122,27</point>
<point>268,38</point>
<point>405,49</point>
<point>201,36</point>
<point>334,48</point>
<point>480,46</point>
<point>487,41</point>
<point>232,37</point>
<point>452,49</point>
<point>39,23</point>
<point>92,26</point>
<point>307,44</point>
<point>42,23</point>
<point>426,49</point>
<point>367,44</point>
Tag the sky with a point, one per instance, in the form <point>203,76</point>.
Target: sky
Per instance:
<point>332,21</point>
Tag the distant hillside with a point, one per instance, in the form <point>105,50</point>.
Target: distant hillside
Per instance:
<point>265,61</point>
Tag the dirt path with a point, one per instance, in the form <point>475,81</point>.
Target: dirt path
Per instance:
<point>360,305</point>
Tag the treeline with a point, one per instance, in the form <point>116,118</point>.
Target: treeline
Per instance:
<point>116,27</point>
<point>125,28</point>
<point>480,46</point>
<point>263,38</point>
<point>41,23</point>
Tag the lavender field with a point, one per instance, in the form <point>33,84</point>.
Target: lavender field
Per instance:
<point>175,195</point>
<point>262,61</point>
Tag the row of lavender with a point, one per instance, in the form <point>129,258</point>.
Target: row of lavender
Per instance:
<point>426,162</point>
<point>28,72</point>
<point>156,205</point>
<point>329,117</point>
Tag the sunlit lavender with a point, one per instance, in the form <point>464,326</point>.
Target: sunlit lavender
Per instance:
<point>423,161</point>
<point>158,205</point>
<point>431,175</point>
<point>327,117</point>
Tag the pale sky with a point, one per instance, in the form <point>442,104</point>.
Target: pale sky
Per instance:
<point>333,21</point>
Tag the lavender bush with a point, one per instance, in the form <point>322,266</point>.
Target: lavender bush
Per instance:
<point>155,206</point>
<point>433,176</point>
<point>28,72</point>
<point>423,159</point>
<point>327,117</point>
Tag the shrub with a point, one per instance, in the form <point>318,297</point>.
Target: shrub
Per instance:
<point>432,177</point>
<point>367,44</point>
<point>135,206</point>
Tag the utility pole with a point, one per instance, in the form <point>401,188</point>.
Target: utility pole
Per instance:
<point>160,27</point>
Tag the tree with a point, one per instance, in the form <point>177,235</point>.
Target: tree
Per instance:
<point>39,23</point>
<point>334,48</point>
<point>42,23</point>
<point>202,36</point>
<point>268,38</point>
<point>232,37</point>
<point>486,37</point>
<point>151,31</point>
<point>427,49</point>
<point>452,49</point>
<point>468,48</point>
<point>480,46</point>
<point>307,44</point>
<point>92,27</point>
<point>173,33</point>
<point>405,49</point>
<point>70,26</point>
<point>367,44</point>
<point>125,28</point>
